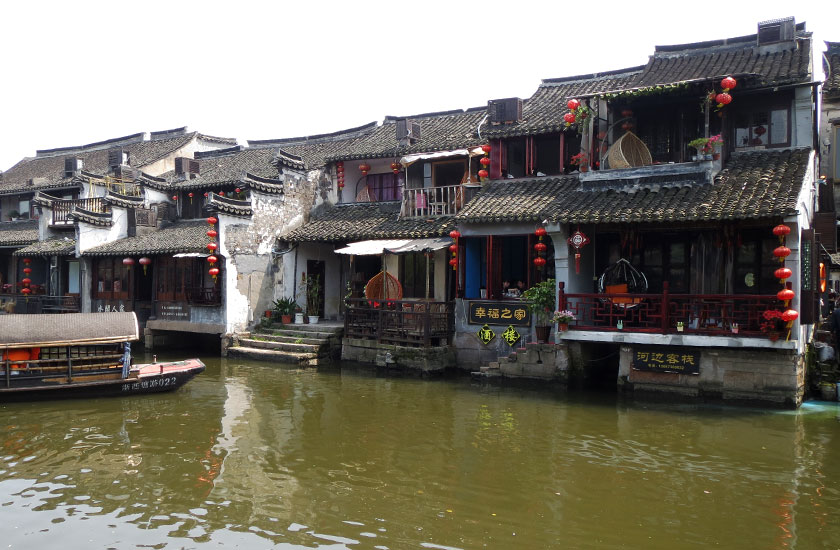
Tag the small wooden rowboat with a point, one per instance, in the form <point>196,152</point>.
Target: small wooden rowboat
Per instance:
<point>80,355</point>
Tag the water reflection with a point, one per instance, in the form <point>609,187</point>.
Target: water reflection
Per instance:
<point>260,456</point>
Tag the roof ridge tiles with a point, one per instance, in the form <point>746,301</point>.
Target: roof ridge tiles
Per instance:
<point>123,140</point>
<point>602,75</point>
<point>392,118</point>
<point>316,138</point>
<point>218,152</point>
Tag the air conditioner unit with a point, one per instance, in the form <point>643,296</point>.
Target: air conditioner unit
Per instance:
<point>406,129</point>
<point>117,157</point>
<point>72,166</point>
<point>186,166</point>
<point>776,30</point>
<point>505,110</point>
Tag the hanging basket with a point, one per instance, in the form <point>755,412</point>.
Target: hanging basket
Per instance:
<point>622,278</point>
<point>383,286</point>
<point>628,151</point>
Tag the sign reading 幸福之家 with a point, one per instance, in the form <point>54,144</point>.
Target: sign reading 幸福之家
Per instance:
<point>499,313</point>
<point>667,359</point>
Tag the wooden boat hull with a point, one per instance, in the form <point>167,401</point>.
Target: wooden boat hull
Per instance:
<point>148,378</point>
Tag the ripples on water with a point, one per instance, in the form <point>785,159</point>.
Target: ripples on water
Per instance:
<point>262,456</point>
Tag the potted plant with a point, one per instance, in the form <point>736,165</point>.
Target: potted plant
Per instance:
<point>285,307</point>
<point>13,215</point>
<point>298,315</point>
<point>735,327</point>
<point>581,161</point>
<point>706,148</point>
<point>773,325</point>
<point>541,299</point>
<point>313,297</point>
<point>562,319</point>
<point>680,326</point>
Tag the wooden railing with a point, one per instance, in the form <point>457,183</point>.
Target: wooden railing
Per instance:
<point>433,201</point>
<point>61,208</point>
<point>402,322</point>
<point>706,314</point>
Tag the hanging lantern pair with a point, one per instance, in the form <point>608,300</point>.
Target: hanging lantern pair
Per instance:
<point>722,99</point>
<point>364,168</point>
<point>395,167</point>
<point>453,248</point>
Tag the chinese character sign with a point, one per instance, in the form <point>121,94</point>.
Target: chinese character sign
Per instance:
<point>510,312</point>
<point>511,336</point>
<point>667,359</point>
<point>486,334</point>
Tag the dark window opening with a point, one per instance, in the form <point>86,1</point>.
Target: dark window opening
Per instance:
<point>413,275</point>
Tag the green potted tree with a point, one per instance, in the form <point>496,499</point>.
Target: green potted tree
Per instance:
<point>285,307</point>
<point>541,299</point>
<point>313,298</point>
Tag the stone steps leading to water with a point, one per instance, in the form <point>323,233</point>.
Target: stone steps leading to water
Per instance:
<point>305,345</point>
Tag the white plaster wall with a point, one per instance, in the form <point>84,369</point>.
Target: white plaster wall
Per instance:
<point>803,117</point>
<point>167,163</point>
<point>334,280</point>
<point>88,236</point>
<point>236,306</point>
<point>442,269</point>
<point>802,220</point>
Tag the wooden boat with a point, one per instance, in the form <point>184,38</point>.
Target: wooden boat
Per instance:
<point>80,355</point>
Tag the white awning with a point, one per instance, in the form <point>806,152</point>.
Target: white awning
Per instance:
<point>421,245</point>
<point>190,255</point>
<point>411,159</point>
<point>369,248</point>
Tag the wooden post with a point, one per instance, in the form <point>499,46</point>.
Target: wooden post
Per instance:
<point>561,295</point>
<point>666,322</point>
<point>8,370</point>
<point>427,326</point>
<point>69,366</point>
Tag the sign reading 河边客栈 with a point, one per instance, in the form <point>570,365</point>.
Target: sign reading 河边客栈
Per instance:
<point>499,313</point>
<point>667,359</point>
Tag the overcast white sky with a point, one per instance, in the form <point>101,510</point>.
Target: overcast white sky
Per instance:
<point>84,71</point>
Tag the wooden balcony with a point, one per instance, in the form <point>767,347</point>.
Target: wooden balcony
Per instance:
<point>701,314</point>
<point>39,303</point>
<point>433,201</point>
<point>400,322</point>
<point>61,208</point>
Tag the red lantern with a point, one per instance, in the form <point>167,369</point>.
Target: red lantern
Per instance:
<point>789,315</point>
<point>144,261</point>
<point>341,185</point>
<point>212,246</point>
<point>190,194</point>
<point>483,174</point>
<point>455,234</point>
<point>626,113</point>
<point>539,261</point>
<point>569,118</point>
<point>27,291</point>
<point>785,295</point>
<point>364,168</point>
<point>781,230</point>
<point>627,126</point>
<point>484,161</point>
<point>221,193</point>
<point>128,262</point>
<point>26,281</point>
<point>760,130</point>
<point>486,148</point>
<point>212,233</point>
<point>174,197</point>
<point>212,259</point>
<point>27,261</point>
<point>540,247</point>
<point>27,270</point>
<point>214,271</point>
<point>238,190</point>
<point>723,99</point>
<point>212,220</point>
<point>781,252</point>
<point>540,232</point>
<point>340,164</point>
<point>453,248</point>
<point>453,262</point>
<point>783,273</point>
<point>205,195</point>
<point>573,104</point>
<point>728,83</point>
<point>395,167</point>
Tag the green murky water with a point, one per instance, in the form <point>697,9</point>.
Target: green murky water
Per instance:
<point>251,455</point>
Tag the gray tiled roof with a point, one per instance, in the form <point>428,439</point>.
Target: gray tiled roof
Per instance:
<point>543,112</point>
<point>18,233</point>
<point>229,206</point>
<point>62,246</point>
<point>831,65</point>
<point>753,185</point>
<point>348,222</point>
<point>184,236</point>
<point>219,169</point>
<point>94,218</point>
<point>49,164</point>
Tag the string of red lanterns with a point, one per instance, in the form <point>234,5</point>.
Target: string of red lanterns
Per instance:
<point>212,246</point>
<point>455,234</point>
<point>540,247</point>
<point>339,172</point>
<point>26,280</point>
<point>786,295</point>
<point>364,168</point>
<point>484,172</point>
<point>395,167</point>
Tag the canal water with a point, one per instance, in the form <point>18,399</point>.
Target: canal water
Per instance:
<point>253,455</point>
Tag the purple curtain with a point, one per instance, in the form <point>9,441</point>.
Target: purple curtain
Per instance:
<point>386,187</point>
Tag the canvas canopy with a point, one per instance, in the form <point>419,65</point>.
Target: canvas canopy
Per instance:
<point>370,248</point>
<point>67,329</point>
<point>421,245</point>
